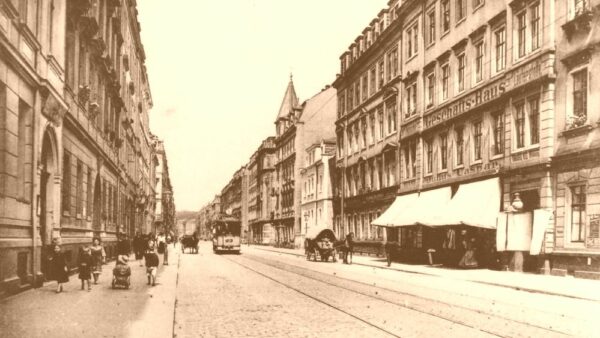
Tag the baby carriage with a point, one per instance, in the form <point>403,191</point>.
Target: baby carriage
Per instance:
<point>121,273</point>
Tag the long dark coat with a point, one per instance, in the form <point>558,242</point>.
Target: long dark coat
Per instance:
<point>85,266</point>
<point>57,266</point>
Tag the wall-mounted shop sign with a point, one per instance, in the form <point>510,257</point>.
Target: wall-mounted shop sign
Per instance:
<point>524,74</point>
<point>466,103</point>
<point>593,237</point>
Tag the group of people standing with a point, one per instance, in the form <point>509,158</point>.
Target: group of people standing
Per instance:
<point>92,257</point>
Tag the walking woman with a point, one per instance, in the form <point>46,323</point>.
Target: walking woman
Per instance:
<point>85,267</point>
<point>58,268</point>
<point>98,258</point>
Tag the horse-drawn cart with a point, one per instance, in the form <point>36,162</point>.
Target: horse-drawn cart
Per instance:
<point>320,245</point>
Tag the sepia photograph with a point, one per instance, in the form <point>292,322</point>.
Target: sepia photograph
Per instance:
<point>287,168</point>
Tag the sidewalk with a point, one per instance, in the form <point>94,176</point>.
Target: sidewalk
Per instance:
<point>551,285</point>
<point>140,311</point>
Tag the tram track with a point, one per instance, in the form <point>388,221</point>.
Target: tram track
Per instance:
<point>452,314</point>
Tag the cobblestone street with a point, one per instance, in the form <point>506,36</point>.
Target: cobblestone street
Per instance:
<point>269,294</point>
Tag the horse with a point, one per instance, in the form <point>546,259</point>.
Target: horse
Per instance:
<point>346,247</point>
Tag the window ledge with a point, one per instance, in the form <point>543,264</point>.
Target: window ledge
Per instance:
<point>525,149</point>
<point>577,131</point>
<point>497,157</point>
<point>463,19</point>
<point>476,162</point>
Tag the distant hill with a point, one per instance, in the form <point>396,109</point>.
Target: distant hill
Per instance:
<point>184,214</point>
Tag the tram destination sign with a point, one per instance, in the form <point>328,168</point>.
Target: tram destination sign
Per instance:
<point>515,78</point>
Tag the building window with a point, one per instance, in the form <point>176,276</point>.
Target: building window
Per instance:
<point>500,36</point>
<point>66,183</point>
<point>350,139</point>
<point>445,15</point>
<point>350,98</point>
<point>365,87</point>
<point>521,28</point>
<point>461,71</point>
<point>24,148</point>
<point>535,26</point>
<point>391,115</point>
<point>477,133</point>
<point>578,203</point>
<point>340,144</point>
<point>479,61</point>
<point>363,128</point>
<point>411,99</point>
<point>356,136</point>
<point>79,189</point>
<point>445,81</point>
<point>372,79</point>
<point>391,169</point>
<point>412,40</point>
<point>498,119</point>
<point>372,127</point>
<point>580,92</point>
<point>430,89</point>
<point>428,156</point>
<point>520,124</point>
<point>459,131</point>
<point>444,151</point>
<point>430,27</point>
<point>380,118</point>
<point>461,10</point>
<point>357,92</point>
<point>90,193</point>
<point>341,104</point>
<point>392,64</point>
<point>381,75</point>
<point>534,120</point>
<point>477,3</point>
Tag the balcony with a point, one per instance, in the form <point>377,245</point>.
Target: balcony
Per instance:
<point>581,20</point>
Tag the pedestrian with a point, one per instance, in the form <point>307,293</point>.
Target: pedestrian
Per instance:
<point>58,268</point>
<point>123,246</point>
<point>85,268</point>
<point>151,259</point>
<point>138,247</point>
<point>98,258</point>
<point>166,254</point>
<point>161,243</point>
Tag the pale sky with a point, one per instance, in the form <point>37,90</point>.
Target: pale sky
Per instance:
<point>218,70</point>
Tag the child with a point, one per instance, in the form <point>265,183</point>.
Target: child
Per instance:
<point>151,259</point>
<point>58,268</point>
<point>85,268</point>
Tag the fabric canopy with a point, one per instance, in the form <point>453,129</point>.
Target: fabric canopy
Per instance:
<point>313,232</point>
<point>474,204</point>
<point>423,207</point>
<point>401,204</point>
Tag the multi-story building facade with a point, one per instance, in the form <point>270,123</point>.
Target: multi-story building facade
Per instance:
<point>316,184</point>
<point>367,127</point>
<point>206,216</point>
<point>261,194</point>
<point>573,246</point>
<point>476,104</point>
<point>74,98</point>
<point>297,126</point>
<point>164,220</point>
<point>234,199</point>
